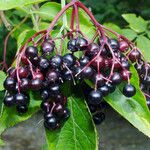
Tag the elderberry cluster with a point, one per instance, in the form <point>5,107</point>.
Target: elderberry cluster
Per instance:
<point>45,71</point>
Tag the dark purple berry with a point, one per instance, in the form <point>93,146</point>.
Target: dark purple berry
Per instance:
<point>36,84</point>
<point>114,44</point>
<point>43,63</point>
<point>24,84</point>
<point>72,45</point>
<point>21,99</point>
<point>31,52</point>
<point>46,106</point>
<point>126,65</point>
<point>123,46</point>
<point>134,55</point>
<point>66,113</point>
<point>104,89</point>
<point>93,50</point>
<point>45,94</point>
<point>9,100</point>
<point>81,43</point>
<point>51,123</point>
<point>95,97</point>
<point>98,118</point>
<point>52,76</point>
<point>111,87</point>
<point>69,60</point>
<point>54,89</point>
<point>23,72</point>
<point>84,60</point>
<point>48,47</point>
<point>116,78</point>
<point>10,84</point>
<point>56,61</point>
<point>87,72</point>
<point>129,90</point>
<point>22,109</point>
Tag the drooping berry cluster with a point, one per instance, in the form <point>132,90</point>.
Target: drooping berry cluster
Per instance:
<point>42,67</point>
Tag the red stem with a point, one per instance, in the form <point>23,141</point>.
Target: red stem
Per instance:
<point>58,16</point>
<point>72,19</point>
<point>79,4</point>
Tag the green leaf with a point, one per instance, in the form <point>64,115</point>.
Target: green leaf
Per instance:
<point>133,109</point>
<point>2,79</point>
<point>10,117</point>
<point>9,4</point>
<point>114,27</point>
<point>143,44</point>
<point>48,10</point>
<point>22,38</point>
<point>138,24</point>
<point>129,33</point>
<point>78,132</point>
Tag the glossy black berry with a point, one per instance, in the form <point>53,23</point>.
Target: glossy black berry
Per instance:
<point>43,63</point>
<point>31,52</point>
<point>51,123</point>
<point>126,65</point>
<point>98,118</point>
<point>56,61</point>
<point>72,45</point>
<point>21,99</point>
<point>78,71</point>
<point>25,84</point>
<point>59,98</point>
<point>35,60</point>
<point>92,50</point>
<point>58,110</point>
<point>129,90</point>
<point>114,44</point>
<point>84,60</point>
<point>104,89</point>
<point>116,78</point>
<point>81,43</point>
<point>111,87</point>
<point>48,47</point>
<point>134,55</point>
<point>23,72</point>
<point>46,106</point>
<point>52,76</point>
<point>22,109</point>
<point>95,97</point>
<point>10,84</point>
<point>69,60</point>
<point>67,74</point>
<point>36,84</point>
<point>54,89</point>
<point>45,94</point>
<point>48,115</point>
<point>9,100</point>
<point>87,72</point>
<point>66,113</point>
<point>98,79</point>
<point>92,108</point>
